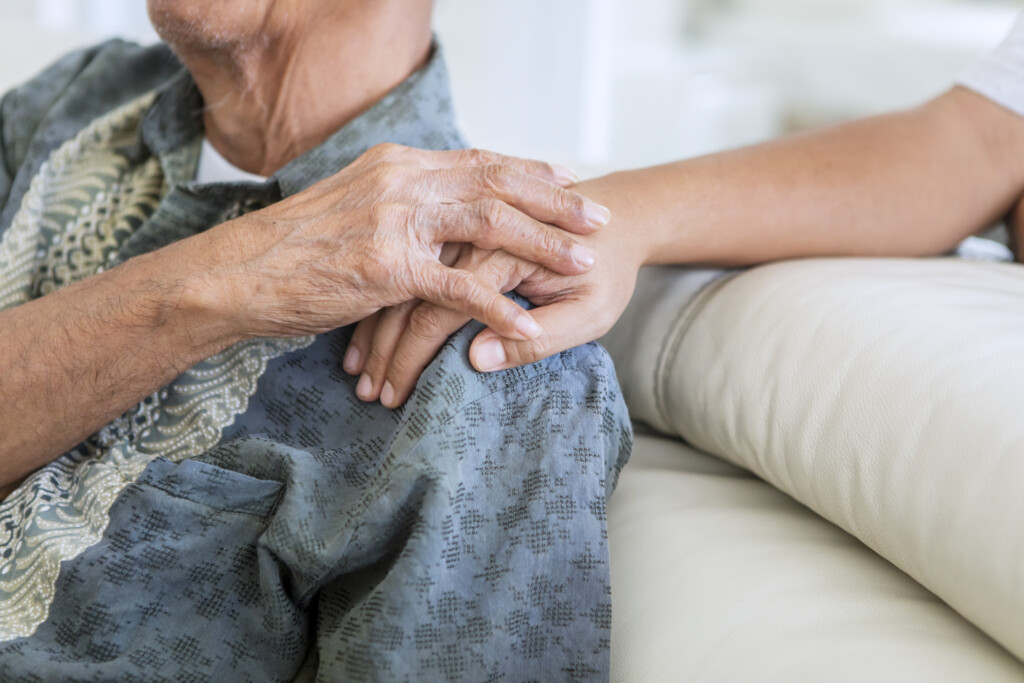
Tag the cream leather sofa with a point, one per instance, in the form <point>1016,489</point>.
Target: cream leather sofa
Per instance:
<point>849,504</point>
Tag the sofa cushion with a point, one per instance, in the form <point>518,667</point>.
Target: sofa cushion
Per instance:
<point>885,394</point>
<point>717,576</point>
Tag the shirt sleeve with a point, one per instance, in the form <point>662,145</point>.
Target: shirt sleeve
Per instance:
<point>1000,75</point>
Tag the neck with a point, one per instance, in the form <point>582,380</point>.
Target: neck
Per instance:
<point>276,96</point>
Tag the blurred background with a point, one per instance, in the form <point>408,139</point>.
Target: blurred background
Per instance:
<point>604,84</point>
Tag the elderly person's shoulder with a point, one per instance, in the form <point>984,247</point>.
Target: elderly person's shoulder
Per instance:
<point>75,90</point>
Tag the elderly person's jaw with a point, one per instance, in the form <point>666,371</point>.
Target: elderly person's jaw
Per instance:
<point>279,77</point>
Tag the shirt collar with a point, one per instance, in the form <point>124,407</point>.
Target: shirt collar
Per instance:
<point>416,113</point>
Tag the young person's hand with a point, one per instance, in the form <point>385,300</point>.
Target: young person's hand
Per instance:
<point>392,348</point>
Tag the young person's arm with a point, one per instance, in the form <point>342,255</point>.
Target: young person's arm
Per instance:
<point>904,184</point>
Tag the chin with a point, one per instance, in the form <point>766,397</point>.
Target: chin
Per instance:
<point>208,24</point>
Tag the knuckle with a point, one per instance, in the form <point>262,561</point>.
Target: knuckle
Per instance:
<point>477,260</point>
<point>570,203</point>
<point>384,150</point>
<point>460,287</point>
<point>494,215</point>
<point>401,370</point>
<point>373,268</point>
<point>419,220</point>
<point>492,267</point>
<point>533,350</point>
<point>550,243</point>
<point>496,309</point>
<point>386,213</point>
<point>496,177</point>
<point>479,157</point>
<point>376,360</point>
<point>426,323</point>
<point>528,351</point>
<point>386,174</point>
<point>379,213</point>
<point>462,292</point>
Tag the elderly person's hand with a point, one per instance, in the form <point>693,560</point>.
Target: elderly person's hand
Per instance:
<point>366,238</point>
<point>392,348</point>
<point>371,237</point>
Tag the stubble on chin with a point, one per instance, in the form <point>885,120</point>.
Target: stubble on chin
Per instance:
<point>201,26</point>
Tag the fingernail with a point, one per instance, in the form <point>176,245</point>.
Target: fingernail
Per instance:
<point>595,213</point>
<point>583,256</point>
<point>565,175</point>
<point>351,362</point>
<point>490,355</point>
<point>387,394</point>
<point>365,387</point>
<point>528,327</point>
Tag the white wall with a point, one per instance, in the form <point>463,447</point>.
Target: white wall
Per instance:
<point>532,74</point>
<point>685,78</point>
<point>601,84</point>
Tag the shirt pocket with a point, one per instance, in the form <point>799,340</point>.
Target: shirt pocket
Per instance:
<point>177,589</point>
<point>212,486</point>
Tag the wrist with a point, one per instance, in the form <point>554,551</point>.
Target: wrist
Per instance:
<point>198,306</point>
<point>636,240</point>
<point>197,298</point>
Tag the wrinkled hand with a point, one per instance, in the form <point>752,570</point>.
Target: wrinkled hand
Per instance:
<point>392,348</point>
<point>371,235</point>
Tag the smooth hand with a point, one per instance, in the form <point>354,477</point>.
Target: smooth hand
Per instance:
<point>371,236</point>
<point>391,349</point>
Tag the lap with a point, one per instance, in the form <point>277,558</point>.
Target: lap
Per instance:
<point>460,536</point>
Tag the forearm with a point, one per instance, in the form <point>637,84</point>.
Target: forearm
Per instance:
<point>909,183</point>
<point>328,256</point>
<point>75,359</point>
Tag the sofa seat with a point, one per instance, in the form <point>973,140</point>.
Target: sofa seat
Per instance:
<point>877,405</point>
<point>719,577</point>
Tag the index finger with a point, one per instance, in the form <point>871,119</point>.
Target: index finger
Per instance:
<point>469,294</point>
<point>429,328</point>
<point>536,198</point>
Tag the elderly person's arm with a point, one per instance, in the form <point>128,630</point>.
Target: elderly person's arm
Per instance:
<point>368,237</point>
<point>909,183</point>
<point>363,239</point>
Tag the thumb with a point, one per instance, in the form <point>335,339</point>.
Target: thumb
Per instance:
<point>565,324</point>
